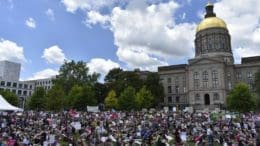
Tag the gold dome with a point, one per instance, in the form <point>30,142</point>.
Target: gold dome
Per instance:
<point>211,22</point>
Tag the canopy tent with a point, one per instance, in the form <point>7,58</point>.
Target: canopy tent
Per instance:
<point>5,106</point>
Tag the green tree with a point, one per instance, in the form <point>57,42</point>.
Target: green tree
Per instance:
<point>111,101</point>
<point>55,98</point>
<point>37,100</point>
<point>144,98</point>
<point>153,84</point>
<point>101,92</point>
<point>74,73</point>
<point>81,96</point>
<point>126,99</point>
<point>240,99</point>
<point>113,75</point>
<point>75,94</point>
<point>10,97</point>
<point>118,80</point>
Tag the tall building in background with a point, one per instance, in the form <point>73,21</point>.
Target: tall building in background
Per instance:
<point>9,80</point>
<point>207,79</point>
<point>9,71</point>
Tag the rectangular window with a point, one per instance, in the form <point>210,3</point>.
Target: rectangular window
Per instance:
<point>177,89</point>
<point>196,84</point>
<point>25,92</point>
<point>177,81</point>
<point>205,84</point>
<point>215,84</point>
<point>169,80</point>
<point>250,80</point>
<point>177,99</point>
<point>228,75</point>
<point>14,91</point>
<point>14,85</point>
<point>19,92</point>
<point>8,84</point>
<point>249,75</point>
<point>169,99</point>
<point>20,85</point>
<point>196,80</point>
<point>2,83</point>
<point>239,76</point>
<point>169,89</point>
<point>30,86</point>
<point>214,79</point>
<point>25,86</point>
<point>229,86</point>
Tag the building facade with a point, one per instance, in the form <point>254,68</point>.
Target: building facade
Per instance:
<point>9,71</point>
<point>208,77</point>
<point>9,80</point>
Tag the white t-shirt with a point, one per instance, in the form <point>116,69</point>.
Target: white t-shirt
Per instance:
<point>209,132</point>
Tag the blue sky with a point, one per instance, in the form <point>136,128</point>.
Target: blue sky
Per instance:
<point>116,33</point>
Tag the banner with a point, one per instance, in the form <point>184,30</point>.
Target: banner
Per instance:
<point>92,109</point>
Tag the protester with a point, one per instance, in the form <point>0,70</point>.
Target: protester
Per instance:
<point>126,128</point>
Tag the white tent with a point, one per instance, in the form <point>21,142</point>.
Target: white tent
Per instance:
<point>5,106</point>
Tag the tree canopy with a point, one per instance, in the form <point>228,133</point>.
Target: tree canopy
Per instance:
<point>144,98</point>
<point>126,99</point>
<point>153,84</point>
<point>37,100</point>
<point>55,100</point>
<point>111,100</point>
<point>74,73</point>
<point>241,99</point>
<point>10,97</point>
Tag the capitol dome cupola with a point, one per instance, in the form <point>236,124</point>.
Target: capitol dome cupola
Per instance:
<point>212,36</point>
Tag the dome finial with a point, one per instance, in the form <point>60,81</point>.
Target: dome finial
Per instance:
<point>209,10</point>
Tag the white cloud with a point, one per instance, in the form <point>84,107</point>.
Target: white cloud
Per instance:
<point>74,5</point>
<point>243,21</point>
<point>50,14</point>
<point>46,73</point>
<point>147,35</point>
<point>102,66</point>
<point>30,22</point>
<point>94,17</point>
<point>54,55</point>
<point>11,51</point>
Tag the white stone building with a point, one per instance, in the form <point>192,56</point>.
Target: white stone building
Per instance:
<point>207,79</point>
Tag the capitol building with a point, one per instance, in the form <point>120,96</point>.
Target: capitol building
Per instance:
<point>207,79</point>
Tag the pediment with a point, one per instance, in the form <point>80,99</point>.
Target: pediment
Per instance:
<point>203,61</point>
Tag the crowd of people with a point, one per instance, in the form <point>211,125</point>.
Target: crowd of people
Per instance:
<point>150,128</point>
